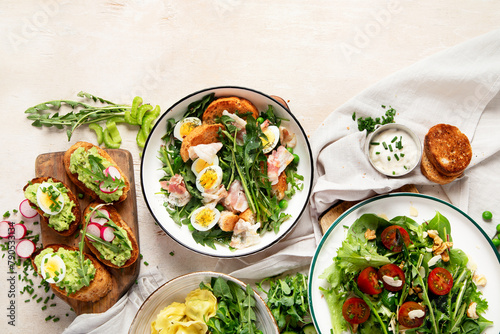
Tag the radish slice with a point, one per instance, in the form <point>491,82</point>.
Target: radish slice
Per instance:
<point>94,229</point>
<point>19,231</point>
<point>5,230</point>
<point>25,248</point>
<point>107,233</point>
<point>113,172</point>
<point>26,210</point>
<point>106,190</point>
<point>100,221</point>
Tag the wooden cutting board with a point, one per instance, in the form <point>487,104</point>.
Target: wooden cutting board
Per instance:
<point>51,164</point>
<point>329,217</point>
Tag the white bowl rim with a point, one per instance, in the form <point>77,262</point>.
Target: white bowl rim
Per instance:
<point>211,274</point>
<point>200,251</point>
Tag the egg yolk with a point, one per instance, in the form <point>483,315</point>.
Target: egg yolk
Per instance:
<point>270,138</point>
<point>186,129</point>
<point>50,198</point>
<point>50,267</point>
<point>205,217</point>
<point>208,179</point>
<point>201,164</point>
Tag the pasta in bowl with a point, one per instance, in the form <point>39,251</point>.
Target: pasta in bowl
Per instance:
<point>189,304</point>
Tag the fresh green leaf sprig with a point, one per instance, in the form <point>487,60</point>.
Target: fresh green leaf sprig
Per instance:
<point>96,172</point>
<point>83,269</point>
<point>47,114</point>
<point>287,300</point>
<point>235,308</point>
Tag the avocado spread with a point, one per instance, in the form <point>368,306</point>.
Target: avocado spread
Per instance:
<point>117,258</point>
<point>62,220</point>
<point>79,161</point>
<point>71,281</point>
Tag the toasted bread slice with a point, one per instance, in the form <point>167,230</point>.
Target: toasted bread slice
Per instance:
<point>248,216</point>
<point>432,173</point>
<point>232,104</point>
<point>74,177</point>
<point>279,188</point>
<point>99,286</point>
<point>203,134</point>
<point>117,219</point>
<point>76,209</point>
<point>227,220</point>
<point>448,149</point>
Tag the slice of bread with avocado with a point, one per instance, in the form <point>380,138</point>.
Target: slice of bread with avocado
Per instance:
<point>129,250</point>
<point>99,286</point>
<point>66,221</point>
<point>231,104</point>
<point>87,165</point>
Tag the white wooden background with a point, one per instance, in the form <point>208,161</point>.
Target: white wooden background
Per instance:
<point>316,54</point>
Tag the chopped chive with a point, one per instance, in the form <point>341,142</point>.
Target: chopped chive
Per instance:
<point>377,152</point>
<point>374,143</point>
<point>146,264</point>
<point>52,305</point>
<point>172,253</point>
<point>384,144</point>
<point>39,300</point>
<point>354,116</point>
<point>49,317</point>
<point>390,147</point>
<point>394,139</point>
<point>405,167</point>
<point>388,158</point>
<point>44,307</point>
<point>402,155</point>
<point>396,156</point>
<point>393,173</point>
<point>56,319</point>
<point>27,300</point>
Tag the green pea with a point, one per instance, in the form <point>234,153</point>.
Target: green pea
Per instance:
<point>260,120</point>
<point>296,158</point>
<point>283,204</point>
<point>219,207</point>
<point>290,149</point>
<point>498,228</point>
<point>496,242</point>
<point>487,215</point>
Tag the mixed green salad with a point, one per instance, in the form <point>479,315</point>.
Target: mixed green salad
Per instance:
<point>208,196</point>
<point>395,275</point>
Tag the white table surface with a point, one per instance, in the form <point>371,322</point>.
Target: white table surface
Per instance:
<point>316,54</point>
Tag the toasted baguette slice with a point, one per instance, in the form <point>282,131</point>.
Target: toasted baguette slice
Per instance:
<point>232,104</point>
<point>76,209</point>
<point>80,184</point>
<point>432,173</point>
<point>203,134</point>
<point>448,149</point>
<point>99,286</point>
<point>117,219</point>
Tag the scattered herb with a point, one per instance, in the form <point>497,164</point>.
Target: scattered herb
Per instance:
<point>369,124</point>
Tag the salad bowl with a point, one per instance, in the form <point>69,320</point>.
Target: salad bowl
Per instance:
<point>177,289</point>
<point>466,233</point>
<point>151,173</point>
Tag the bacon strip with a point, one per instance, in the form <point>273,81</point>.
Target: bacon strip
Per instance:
<point>236,200</point>
<point>277,162</point>
<point>178,194</point>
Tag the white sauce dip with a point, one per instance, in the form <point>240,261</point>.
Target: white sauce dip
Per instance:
<point>400,159</point>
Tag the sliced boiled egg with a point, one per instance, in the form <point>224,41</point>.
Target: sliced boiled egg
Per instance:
<point>204,218</point>
<point>200,164</point>
<point>49,198</point>
<point>185,126</point>
<point>53,268</point>
<point>273,135</point>
<point>209,178</point>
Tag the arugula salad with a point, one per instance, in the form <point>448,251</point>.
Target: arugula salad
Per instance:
<point>228,178</point>
<point>396,275</point>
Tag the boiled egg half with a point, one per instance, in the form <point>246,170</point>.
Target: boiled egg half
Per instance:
<point>185,126</point>
<point>273,135</point>
<point>204,218</point>
<point>200,164</point>
<point>49,198</point>
<point>53,268</point>
<point>209,178</point>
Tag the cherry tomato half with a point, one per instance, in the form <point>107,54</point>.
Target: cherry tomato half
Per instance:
<point>355,311</point>
<point>440,281</point>
<point>411,320</point>
<point>392,240</point>
<point>368,281</point>
<point>396,273</point>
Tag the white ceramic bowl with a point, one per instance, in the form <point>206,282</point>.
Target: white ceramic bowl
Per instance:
<point>394,126</point>
<point>151,172</point>
<point>177,289</point>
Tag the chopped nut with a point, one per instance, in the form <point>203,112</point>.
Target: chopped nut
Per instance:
<point>433,233</point>
<point>402,265</point>
<point>417,289</point>
<point>355,328</point>
<point>421,295</point>
<point>370,234</point>
<point>471,311</point>
<point>410,291</point>
<point>440,246</point>
<point>445,256</point>
<point>479,280</point>
<point>438,250</point>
